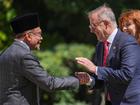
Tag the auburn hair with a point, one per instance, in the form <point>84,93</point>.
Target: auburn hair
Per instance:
<point>133,15</point>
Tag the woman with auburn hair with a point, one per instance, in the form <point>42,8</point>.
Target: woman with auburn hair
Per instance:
<point>129,22</point>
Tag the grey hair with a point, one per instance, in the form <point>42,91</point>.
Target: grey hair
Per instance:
<point>105,13</point>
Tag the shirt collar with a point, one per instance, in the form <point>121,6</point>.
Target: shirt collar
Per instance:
<point>112,36</point>
<point>22,43</point>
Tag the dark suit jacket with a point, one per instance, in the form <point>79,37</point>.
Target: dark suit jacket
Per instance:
<point>21,73</point>
<point>121,64</point>
<point>132,94</point>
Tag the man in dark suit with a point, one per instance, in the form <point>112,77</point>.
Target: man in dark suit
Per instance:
<point>21,74</point>
<point>116,54</point>
<point>132,93</point>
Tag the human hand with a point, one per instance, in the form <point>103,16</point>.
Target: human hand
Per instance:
<point>87,64</point>
<point>84,78</point>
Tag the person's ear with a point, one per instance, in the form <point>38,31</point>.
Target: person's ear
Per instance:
<point>28,37</point>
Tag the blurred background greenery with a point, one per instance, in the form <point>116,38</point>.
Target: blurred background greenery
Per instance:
<point>66,36</point>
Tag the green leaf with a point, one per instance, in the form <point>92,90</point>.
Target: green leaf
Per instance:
<point>3,36</point>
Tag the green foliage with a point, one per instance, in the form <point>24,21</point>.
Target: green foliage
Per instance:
<point>69,6</point>
<point>2,38</point>
<point>66,98</point>
<point>60,61</point>
<point>61,56</point>
<point>6,14</point>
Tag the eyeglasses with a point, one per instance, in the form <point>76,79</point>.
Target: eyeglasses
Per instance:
<point>94,25</point>
<point>39,34</point>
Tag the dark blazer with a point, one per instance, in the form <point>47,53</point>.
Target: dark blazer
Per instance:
<point>121,64</point>
<point>21,73</point>
<point>132,94</point>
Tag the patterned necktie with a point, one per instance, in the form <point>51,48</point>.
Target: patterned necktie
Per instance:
<point>106,52</point>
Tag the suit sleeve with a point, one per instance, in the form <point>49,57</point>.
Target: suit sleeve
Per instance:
<point>128,54</point>
<point>33,71</point>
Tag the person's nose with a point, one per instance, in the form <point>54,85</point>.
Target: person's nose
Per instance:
<point>124,28</point>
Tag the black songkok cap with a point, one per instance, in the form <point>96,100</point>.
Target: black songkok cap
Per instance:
<point>25,22</point>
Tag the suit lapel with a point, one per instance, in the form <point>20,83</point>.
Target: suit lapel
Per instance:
<point>113,47</point>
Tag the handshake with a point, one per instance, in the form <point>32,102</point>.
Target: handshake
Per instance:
<point>85,78</point>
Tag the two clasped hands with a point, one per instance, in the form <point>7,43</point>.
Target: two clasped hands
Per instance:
<point>84,77</point>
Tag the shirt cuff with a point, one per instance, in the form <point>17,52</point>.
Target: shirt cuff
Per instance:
<point>96,70</point>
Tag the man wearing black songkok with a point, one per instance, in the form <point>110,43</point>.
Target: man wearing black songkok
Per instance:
<point>21,74</point>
